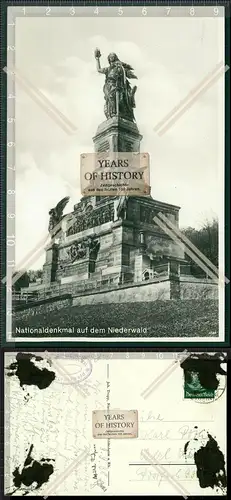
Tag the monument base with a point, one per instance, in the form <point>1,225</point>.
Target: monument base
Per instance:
<point>127,247</point>
<point>116,239</point>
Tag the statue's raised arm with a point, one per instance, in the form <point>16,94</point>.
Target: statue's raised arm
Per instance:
<point>118,94</point>
<point>98,66</point>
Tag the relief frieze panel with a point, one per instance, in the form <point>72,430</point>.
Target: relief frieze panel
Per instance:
<point>95,217</point>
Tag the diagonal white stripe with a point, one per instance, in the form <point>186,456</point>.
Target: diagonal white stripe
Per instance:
<point>147,456</point>
<point>189,96</point>
<point>164,375</point>
<point>189,244</point>
<point>190,99</point>
<point>168,231</point>
<point>52,487</point>
<point>193,100</point>
<point>41,100</point>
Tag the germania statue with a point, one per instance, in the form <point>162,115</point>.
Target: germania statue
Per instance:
<point>118,94</point>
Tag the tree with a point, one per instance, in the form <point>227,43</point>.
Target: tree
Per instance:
<point>34,275</point>
<point>22,281</point>
<point>206,240</point>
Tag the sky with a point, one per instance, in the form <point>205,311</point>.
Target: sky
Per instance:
<point>170,56</point>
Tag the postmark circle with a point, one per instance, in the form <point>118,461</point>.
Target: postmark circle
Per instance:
<point>218,393</point>
<point>73,371</point>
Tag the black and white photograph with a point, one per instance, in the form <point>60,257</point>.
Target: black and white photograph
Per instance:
<point>106,80</point>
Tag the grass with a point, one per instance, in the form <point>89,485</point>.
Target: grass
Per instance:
<point>190,318</point>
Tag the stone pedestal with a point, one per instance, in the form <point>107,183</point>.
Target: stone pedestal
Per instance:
<point>79,267</point>
<point>51,264</point>
<point>174,269</point>
<point>131,244</point>
<point>78,271</point>
<point>117,135</point>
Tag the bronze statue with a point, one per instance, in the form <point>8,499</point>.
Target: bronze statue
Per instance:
<point>122,207</point>
<point>118,94</point>
<point>94,245</point>
<point>56,215</point>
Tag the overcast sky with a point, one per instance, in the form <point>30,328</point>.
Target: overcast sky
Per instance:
<point>170,57</point>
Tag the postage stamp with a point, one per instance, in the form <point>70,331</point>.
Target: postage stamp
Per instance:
<point>203,376</point>
<point>193,388</point>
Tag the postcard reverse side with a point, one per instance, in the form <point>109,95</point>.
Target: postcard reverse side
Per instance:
<point>78,426</point>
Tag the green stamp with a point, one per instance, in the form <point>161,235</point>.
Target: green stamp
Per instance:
<point>193,389</point>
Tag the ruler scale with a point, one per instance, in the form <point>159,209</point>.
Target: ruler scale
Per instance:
<point>138,9</point>
<point>119,354</point>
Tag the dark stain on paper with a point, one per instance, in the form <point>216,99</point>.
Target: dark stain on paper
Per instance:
<point>207,367</point>
<point>33,471</point>
<point>210,463</point>
<point>30,373</point>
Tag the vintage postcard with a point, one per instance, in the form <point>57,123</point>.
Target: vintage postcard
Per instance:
<point>135,249</point>
<point>99,424</point>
